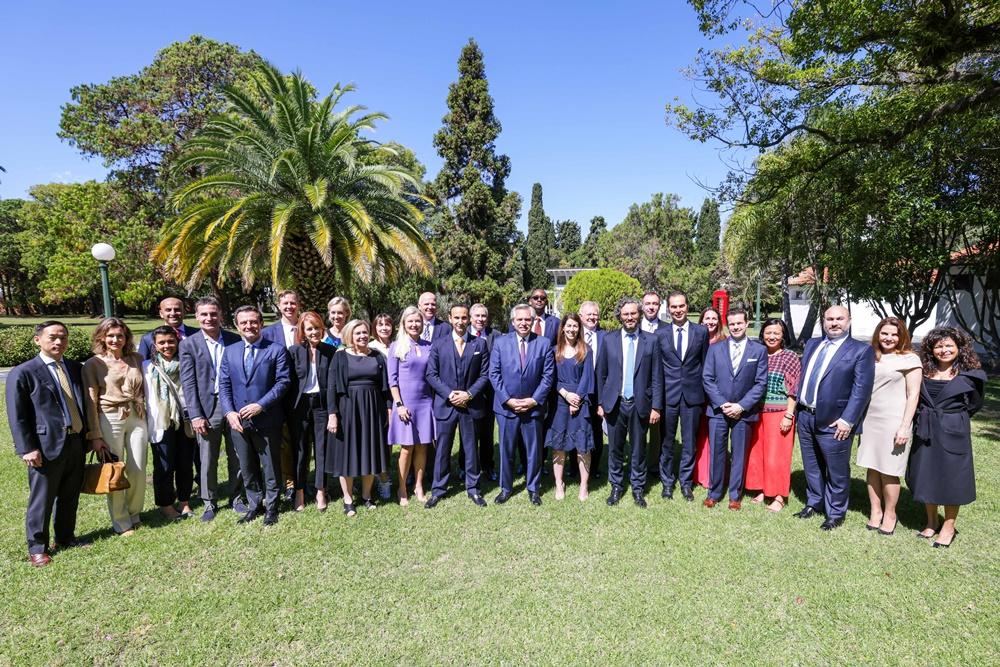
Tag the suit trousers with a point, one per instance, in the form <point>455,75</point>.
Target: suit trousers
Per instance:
<point>127,439</point>
<point>466,426</point>
<point>54,488</point>
<point>625,423</point>
<point>289,450</point>
<point>529,430</point>
<point>724,433</point>
<point>260,466</point>
<point>308,438</point>
<point>210,446</point>
<point>172,467</point>
<point>826,463</point>
<point>484,439</point>
<point>688,417</point>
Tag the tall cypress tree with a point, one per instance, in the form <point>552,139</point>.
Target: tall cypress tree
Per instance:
<point>708,230</point>
<point>474,231</point>
<point>541,241</point>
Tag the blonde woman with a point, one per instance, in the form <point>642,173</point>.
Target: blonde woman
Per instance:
<point>116,415</point>
<point>338,312</point>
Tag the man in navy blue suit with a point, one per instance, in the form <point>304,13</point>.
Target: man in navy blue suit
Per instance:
<point>629,397</point>
<point>543,323</point>
<point>522,371</point>
<point>172,314</point>
<point>282,332</point>
<point>683,346</point>
<point>834,391</point>
<point>480,328</point>
<point>253,380</point>
<point>434,326</point>
<point>593,336</point>
<point>458,372</point>
<point>735,382</point>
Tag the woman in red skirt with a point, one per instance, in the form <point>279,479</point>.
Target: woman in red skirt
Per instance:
<point>769,460</point>
<point>716,334</point>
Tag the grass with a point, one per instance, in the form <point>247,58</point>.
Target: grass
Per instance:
<point>564,583</point>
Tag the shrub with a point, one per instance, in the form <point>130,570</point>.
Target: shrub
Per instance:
<point>17,344</point>
<point>605,286</point>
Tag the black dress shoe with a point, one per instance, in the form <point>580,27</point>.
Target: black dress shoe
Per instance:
<point>478,500</point>
<point>288,496</point>
<point>535,498</point>
<point>502,497</point>
<point>432,502</point>
<point>667,493</point>
<point>688,495</point>
<point>830,524</point>
<point>639,500</point>
<point>270,517</point>
<point>806,512</point>
<point>249,516</point>
<point>616,495</point>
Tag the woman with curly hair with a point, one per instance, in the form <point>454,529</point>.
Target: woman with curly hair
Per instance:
<point>940,470</point>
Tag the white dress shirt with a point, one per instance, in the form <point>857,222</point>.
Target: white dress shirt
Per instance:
<point>289,330</point>
<point>215,354</point>
<point>650,326</point>
<point>590,338</point>
<point>686,328</point>
<point>835,344</point>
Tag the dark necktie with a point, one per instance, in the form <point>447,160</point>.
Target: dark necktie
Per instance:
<point>248,360</point>
<point>524,353</point>
<point>680,343</point>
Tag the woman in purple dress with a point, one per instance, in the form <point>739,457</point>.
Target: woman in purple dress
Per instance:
<point>411,424</point>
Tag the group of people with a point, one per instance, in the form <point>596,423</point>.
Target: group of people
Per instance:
<point>343,392</point>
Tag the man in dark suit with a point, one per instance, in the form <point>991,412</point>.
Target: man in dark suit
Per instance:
<point>683,346</point>
<point>200,361</point>
<point>46,417</point>
<point>629,397</point>
<point>282,332</point>
<point>253,380</point>
<point>735,380</point>
<point>485,425</point>
<point>542,323</point>
<point>172,314</point>
<point>434,326</point>
<point>833,395</point>
<point>593,336</point>
<point>458,372</point>
<point>651,322</point>
<point>522,371</point>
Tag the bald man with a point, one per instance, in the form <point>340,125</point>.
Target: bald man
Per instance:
<point>833,394</point>
<point>434,327</point>
<point>172,314</point>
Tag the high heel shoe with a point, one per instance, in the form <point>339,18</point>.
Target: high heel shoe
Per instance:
<point>349,509</point>
<point>942,545</point>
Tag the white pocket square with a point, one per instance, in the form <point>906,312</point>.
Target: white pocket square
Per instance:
<point>475,353</point>
<point>749,360</point>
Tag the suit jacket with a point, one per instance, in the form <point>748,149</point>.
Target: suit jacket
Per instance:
<point>298,355</point>
<point>746,386</point>
<point>683,379</point>
<point>845,389</point>
<point>509,380</point>
<point>198,373</point>
<point>440,328</point>
<point>274,333</point>
<point>647,379</point>
<point>35,409</point>
<point>447,372</point>
<point>551,327</point>
<point>269,380</point>
<point>146,347</point>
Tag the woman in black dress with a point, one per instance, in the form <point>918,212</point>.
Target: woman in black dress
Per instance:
<point>940,469</point>
<point>359,402</point>
<point>310,361</point>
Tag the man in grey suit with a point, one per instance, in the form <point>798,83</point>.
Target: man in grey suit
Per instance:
<point>200,360</point>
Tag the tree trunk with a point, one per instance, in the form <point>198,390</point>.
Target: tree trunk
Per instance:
<point>315,282</point>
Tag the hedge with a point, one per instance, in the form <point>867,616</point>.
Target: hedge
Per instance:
<point>606,287</point>
<point>17,344</point>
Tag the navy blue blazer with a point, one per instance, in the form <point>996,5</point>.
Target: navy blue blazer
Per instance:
<point>146,347</point>
<point>269,379</point>
<point>448,372</point>
<point>509,380</point>
<point>746,387</point>
<point>551,327</point>
<point>845,389</point>
<point>274,333</point>
<point>440,328</point>
<point>647,381</point>
<point>683,379</point>
<point>198,373</point>
<point>35,409</point>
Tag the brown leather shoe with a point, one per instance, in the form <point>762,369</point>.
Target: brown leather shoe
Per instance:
<point>734,505</point>
<point>39,560</point>
<point>709,502</point>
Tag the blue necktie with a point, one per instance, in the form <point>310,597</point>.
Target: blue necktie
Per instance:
<point>812,382</point>
<point>629,367</point>
<point>248,360</point>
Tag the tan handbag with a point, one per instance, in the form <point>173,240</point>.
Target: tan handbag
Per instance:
<point>103,477</point>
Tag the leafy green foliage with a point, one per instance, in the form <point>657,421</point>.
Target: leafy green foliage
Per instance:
<point>587,256</point>
<point>540,244</point>
<point>606,287</point>
<point>708,233</point>
<point>17,345</point>
<point>20,295</point>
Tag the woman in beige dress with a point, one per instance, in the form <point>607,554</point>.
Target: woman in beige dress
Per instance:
<point>116,415</point>
<point>888,427</point>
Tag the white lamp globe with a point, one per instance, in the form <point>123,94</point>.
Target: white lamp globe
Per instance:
<point>103,252</point>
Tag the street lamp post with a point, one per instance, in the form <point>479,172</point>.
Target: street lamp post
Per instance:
<point>104,253</point>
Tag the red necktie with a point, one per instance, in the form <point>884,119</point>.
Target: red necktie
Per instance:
<point>537,330</point>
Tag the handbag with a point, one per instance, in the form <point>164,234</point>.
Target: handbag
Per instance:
<point>104,476</point>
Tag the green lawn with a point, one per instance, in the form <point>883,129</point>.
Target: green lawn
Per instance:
<point>565,583</point>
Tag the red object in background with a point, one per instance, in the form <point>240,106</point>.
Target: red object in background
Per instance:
<point>720,301</point>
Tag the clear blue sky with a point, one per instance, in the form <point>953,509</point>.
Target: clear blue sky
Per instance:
<point>580,87</point>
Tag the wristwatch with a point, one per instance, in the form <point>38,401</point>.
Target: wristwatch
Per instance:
<point>399,404</point>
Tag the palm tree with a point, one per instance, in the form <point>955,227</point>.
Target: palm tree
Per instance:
<point>288,189</point>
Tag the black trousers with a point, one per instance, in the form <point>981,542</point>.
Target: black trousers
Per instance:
<point>54,488</point>
<point>309,438</point>
<point>260,466</point>
<point>173,458</point>
<point>625,423</point>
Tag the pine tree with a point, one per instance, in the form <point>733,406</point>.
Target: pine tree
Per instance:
<point>541,241</point>
<point>708,231</point>
<point>588,256</point>
<point>567,236</point>
<point>474,231</point>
